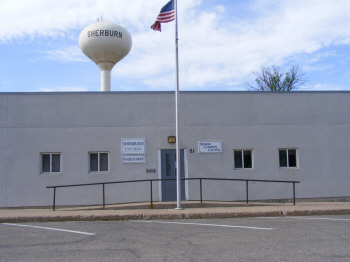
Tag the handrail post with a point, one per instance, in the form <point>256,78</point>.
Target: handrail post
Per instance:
<point>54,199</point>
<point>200,186</point>
<point>151,192</point>
<point>246,182</point>
<point>294,193</point>
<point>103,192</point>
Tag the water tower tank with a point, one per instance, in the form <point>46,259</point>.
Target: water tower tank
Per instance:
<point>106,44</point>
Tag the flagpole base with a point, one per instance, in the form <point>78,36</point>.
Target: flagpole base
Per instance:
<point>179,208</point>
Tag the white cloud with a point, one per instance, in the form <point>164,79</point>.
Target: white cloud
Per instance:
<point>324,87</point>
<point>51,18</point>
<point>213,51</point>
<point>43,18</point>
<point>62,89</point>
<point>216,48</point>
<point>67,54</point>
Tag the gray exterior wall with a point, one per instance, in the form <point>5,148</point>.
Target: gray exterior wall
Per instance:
<point>73,124</point>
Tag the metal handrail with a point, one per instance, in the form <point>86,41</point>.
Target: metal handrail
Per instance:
<point>151,187</point>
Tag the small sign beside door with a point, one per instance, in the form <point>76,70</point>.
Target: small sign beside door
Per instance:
<point>133,146</point>
<point>209,147</point>
<point>133,159</point>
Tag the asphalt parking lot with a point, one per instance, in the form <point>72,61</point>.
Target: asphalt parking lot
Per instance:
<point>322,238</point>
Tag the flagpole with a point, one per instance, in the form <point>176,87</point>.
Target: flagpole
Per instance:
<point>178,160</point>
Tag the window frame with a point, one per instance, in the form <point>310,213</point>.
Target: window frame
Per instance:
<point>242,159</point>
<point>98,161</point>
<point>287,156</point>
<point>42,154</point>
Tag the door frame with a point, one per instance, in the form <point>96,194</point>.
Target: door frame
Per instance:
<point>160,172</point>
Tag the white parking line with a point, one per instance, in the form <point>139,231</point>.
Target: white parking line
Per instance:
<point>49,228</point>
<point>198,224</point>
<point>312,218</point>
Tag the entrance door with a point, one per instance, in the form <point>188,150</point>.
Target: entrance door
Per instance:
<point>168,163</point>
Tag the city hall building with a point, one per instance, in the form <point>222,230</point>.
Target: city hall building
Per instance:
<point>51,139</point>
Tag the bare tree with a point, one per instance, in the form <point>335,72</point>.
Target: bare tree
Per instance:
<point>275,79</point>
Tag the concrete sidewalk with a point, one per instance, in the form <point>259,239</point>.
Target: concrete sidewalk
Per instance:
<point>165,210</point>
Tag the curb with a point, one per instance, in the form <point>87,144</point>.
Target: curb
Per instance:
<point>182,215</point>
<point>315,212</point>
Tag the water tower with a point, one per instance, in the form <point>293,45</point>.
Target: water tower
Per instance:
<point>106,44</point>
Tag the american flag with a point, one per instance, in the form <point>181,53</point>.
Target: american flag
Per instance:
<point>167,14</point>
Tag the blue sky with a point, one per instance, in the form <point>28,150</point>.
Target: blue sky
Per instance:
<point>221,43</point>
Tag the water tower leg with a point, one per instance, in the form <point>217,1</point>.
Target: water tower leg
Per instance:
<point>105,80</point>
<point>105,68</point>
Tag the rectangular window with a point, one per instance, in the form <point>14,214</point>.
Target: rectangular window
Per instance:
<point>50,162</point>
<point>288,157</point>
<point>98,162</point>
<point>243,159</point>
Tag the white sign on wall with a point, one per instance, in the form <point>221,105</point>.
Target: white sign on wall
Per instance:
<point>128,159</point>
<point>209,147</point>
<point>133,146</point>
